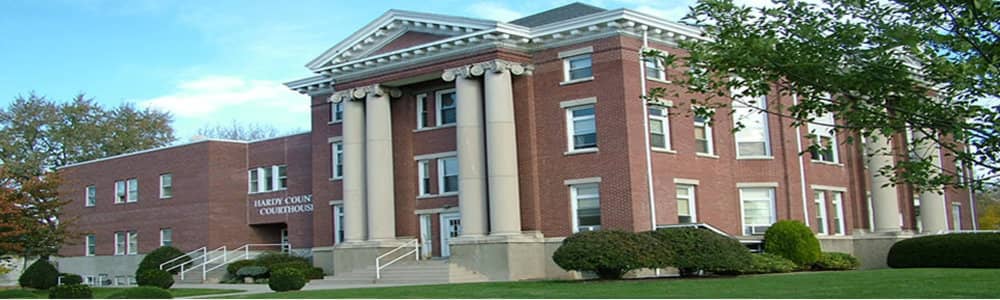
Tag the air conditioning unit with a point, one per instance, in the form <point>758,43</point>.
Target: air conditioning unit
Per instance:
<point>759,230</point>
<point>589,228</point>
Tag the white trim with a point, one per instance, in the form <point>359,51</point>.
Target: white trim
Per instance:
<point>453,209</point>
<point>171,236</point>
<point>129,185</point>
<point>828,188</point>
<point>334,139</point>
<point>819,199</point>
<point>148,151</point>
<point>582,180</point>
<point>571,126</point>
<point>756,184</point>
<point>567,68</point>
<point>434,128</point>
<point>336,202</point>
<point>772,190</point>
<point>578,80</point>
<point>956,220</point>
<point>576,52</point>
<point>338,226</point>
<point>171,176</point>
<point>838,202</point>
<point>87,198</point>
<point>658,65</point>
<point>691,198</point>
<point>577,102</point>
<point>120,237</point>
<point>423,167</point>
<point>426,235</point>
<point>687,181</point>
<point>442,173</point>
<point>580,151</point>
<point>420,110</point>
<point>436,155</point>
<point>445,238</point>
<point>574,198</point>
<point>87,243</point>
<point>760,111</point>
<point>130,237</point>
<point>710,139</point>
<point>335,147</point>
<point>333,112</point>
<point>438,119</point>
<point>664,120</point>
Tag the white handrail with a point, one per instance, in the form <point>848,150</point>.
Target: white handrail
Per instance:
<point>233,255</point>
<point>415,251</point>
<point>188,255</point>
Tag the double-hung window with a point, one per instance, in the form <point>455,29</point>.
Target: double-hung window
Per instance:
<point>758,209</point>
<point>120,243</point>
<point>254,175</point>
<point>448,175</point>
<point>582,127</point>
<point>659,128</point>
<point>166,237</point>
<point>120,191</point>
<point>446,107</point>
<point>837,203</point>
<point>578,68</point>
<point>956,216</point>
<point>91,196</point>
<point>338,215</point>
<point>133,190</point>
<point>268,179</point>
<point>686,204</point>
<point>337,152</point>
<point>751,120</point>
<point>824,139</point>
<point>821,217</point>
<point>282,178</point>
<point>423,114</point>
<point>166,186</point>
<point>424,175</point>
<point>90,245</point>
<point>703,135</point>
<point>654,68</point>
<point>336,112</point>
<point>133,243</point>
<point>586,206</point>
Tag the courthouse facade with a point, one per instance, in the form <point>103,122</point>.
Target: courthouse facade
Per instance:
<point>488,142</point>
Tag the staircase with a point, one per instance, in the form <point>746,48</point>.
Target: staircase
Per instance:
<point>209,266</point>
<point>407,272</point>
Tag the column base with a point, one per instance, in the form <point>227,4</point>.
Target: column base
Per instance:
<point>354,255</point>
<point>527,255</point>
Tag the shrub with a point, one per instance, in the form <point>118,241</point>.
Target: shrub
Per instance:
<point>70,278</point>
<point>269,259</point>
<point>154,259</point>
<point>703,250</point>
<point>286,280</point>
<point>155,277</point>
<point>237,265</point>
<point>792,240</point>
<point>70,291</point>
<point>252,271</point>
<point>315,273</point>
<point>142,292</point>
<point>956,250</point>
<point>307,269</point>
<point>762,263</point>
<point>40,275</point>
<point>610,253</point>
<point>836,261</point>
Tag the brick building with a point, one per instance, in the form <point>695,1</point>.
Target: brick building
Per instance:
<point>488,142</point>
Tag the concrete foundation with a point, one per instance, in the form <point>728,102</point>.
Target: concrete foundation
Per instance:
<point>352,256</point>
<point>107,267</point>
<point>504,258</point>
<point>870,249</point>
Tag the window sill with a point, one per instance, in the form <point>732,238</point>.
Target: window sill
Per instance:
<point>580,151</point>
<point>830,163</point>
<point>433,128</point>
<point>706,155</point>
<point>334,122</point>
<point>754,157</point>
<point>578,80</point>
<point>441,195</point>
<point>658,80</point>
<point>271,191</point>
<point>332,179</point>
<point>663,150</point>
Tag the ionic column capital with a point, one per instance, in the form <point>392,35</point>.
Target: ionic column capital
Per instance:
<point>361,93</point>
<point>480,68</point>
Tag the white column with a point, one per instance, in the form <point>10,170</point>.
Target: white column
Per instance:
<point>381,195</point>
<point>933,211</point>
<point>471,156</point>
<point>885,202</point>
<point>501,153</point>
<point>355,228</point>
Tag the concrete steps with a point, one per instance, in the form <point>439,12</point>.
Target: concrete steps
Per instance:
<point>409,272</point>
<point>194,275</point>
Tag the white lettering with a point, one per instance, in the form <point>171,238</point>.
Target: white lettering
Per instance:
<point>286,205</point>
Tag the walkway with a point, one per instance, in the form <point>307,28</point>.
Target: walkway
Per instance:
<point>263,288</point>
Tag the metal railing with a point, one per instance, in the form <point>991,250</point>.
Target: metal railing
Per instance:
<point>243,252</point>
<point>203,251</point>
<point>210,260</point>
<point>416,254</point>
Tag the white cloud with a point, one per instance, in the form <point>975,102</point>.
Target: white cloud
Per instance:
<point>210,95</point>
<point>493,11</point>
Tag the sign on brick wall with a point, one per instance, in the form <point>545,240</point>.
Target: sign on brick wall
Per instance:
<point>283,206</point>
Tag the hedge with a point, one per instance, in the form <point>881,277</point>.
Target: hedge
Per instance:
<point>142,292</point>
<point>232,267</point>
<point>70,291</point>
<point>836,261</point>
<point>703,250</point>
<point>286,280</point>
<point>154,259</point>
<point>269,259</point>
<point>40,275</point>
<point>155,277</point>
<point>955,250</point>
<point>792,240</point>
<point>254,272</point>
<point>70,278</point>
<point>762,263</point>
<point>611,253</point>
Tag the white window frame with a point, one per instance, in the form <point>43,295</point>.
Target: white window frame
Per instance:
<point>90,196</point>
<point>773,210</point>
<point>571,128</point>
<point>566,68</point>
<point>162,235</point>
<point>131,184</point>
<point>163,187</point>
<point>338,215</point>
<point>439,116</point>
<point>121,191</point>
<point>956,216</point>
<point>657,64</point>
<point>442,173</point>
<point>132,242</point>
<point>278,177</point>
<point>708,136</point>
<point>819,198</point>
<point>574,199</point>
<point>761,111</point>
<point>691,197</point>
<point>423,177</point>
<point>838,204</point>
<point>335,108</point>
<point>90,240</point>
<point>824,130</point>
<point>253,181</point>
<point>421,111</point>
<point>664,119</point>
<point>121,242</point>
<point>337,152</point>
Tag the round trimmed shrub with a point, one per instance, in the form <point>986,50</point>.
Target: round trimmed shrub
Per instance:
<point>155,277</point>
<point>763,263</point>
<point>70,291</point>
<point>836,261</point>
<point>154,259</point>
<point>40,275</point>
<point>232,267</point>
<point>269,259</point>
<point>315,273</point>
<point>954,250</point>
<point>70,278</point>
<point>254,272</point>
<point>142,292</point>
<point>792,240</point>
<point>611,253</point>
<point>286,280</point>
<point>703,250</point>
<point>298,265</point>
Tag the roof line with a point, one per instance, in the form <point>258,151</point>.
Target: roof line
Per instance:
<point>149,151</point>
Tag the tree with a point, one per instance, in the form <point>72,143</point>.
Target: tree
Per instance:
<point>988,209</point>
<point>879,66</point>
<point>239,131</point>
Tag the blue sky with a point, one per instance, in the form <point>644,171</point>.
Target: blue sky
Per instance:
<point>207,62</point>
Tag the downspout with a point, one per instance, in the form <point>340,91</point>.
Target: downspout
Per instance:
<point>969,176</point>
<point>645,127</point>
<point>802,169</point>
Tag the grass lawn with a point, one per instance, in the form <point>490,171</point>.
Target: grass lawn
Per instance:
<point>103,293</point>
<point>884,283</point>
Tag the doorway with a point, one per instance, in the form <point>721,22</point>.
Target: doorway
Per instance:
<point>451,227</point>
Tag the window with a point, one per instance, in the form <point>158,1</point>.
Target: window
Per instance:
<point>119,191</point>
<point>838,213</point>
<point>90,194</point>
<point>448,175</point>
<point>268,179</point>
<point>254,181</point>
<point>578,68</point>
<point>956,216</point>
<point>133,242</point>
<point>758,209</point>
<point>338,214</point>
<point>336,112</point>
<point>120,243</point>
<point>133,190</point>
<point>752,138</point>
<point>166,186</point>
<point>822,132</point>
<point>703,136</point>
<point>820,200</point>
<point>166,237</point>
<point>654,68</point>
<point>423,116</point>
<point>659,128</point>
<point>446,107</point>
<point>424,173</point>
<point>582,127</point>
<point>90,245</point>
<point>282,178</point>
<point>685,204</point>
<point>586,206</point>
<point>337,149</point>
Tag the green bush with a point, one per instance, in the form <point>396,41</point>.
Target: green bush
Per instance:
<point>307,269</point>
<point>703,250</point>
<point>70,291</point>
<point>269,259</point>
<point>955,250</point>
<point>154,259</point>
<point>315,273</point>
<point>142,292</point>
<point>155,277</point>
<point>763,263</point>
<point>40,275</point>
<point>254,272</point>
<point>286,280</point>
<point>836,261</point>
<point>792,240</point>
<point>70,278</point>
<point>610,253</point>
<point>232,267</point>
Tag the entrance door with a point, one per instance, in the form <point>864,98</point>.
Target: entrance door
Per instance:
<point>451,227</point>
<point>426,240</point>
<point>284,240</point>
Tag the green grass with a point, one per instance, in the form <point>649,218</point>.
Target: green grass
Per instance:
<point>103,293</point>
<point>885,283</point>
